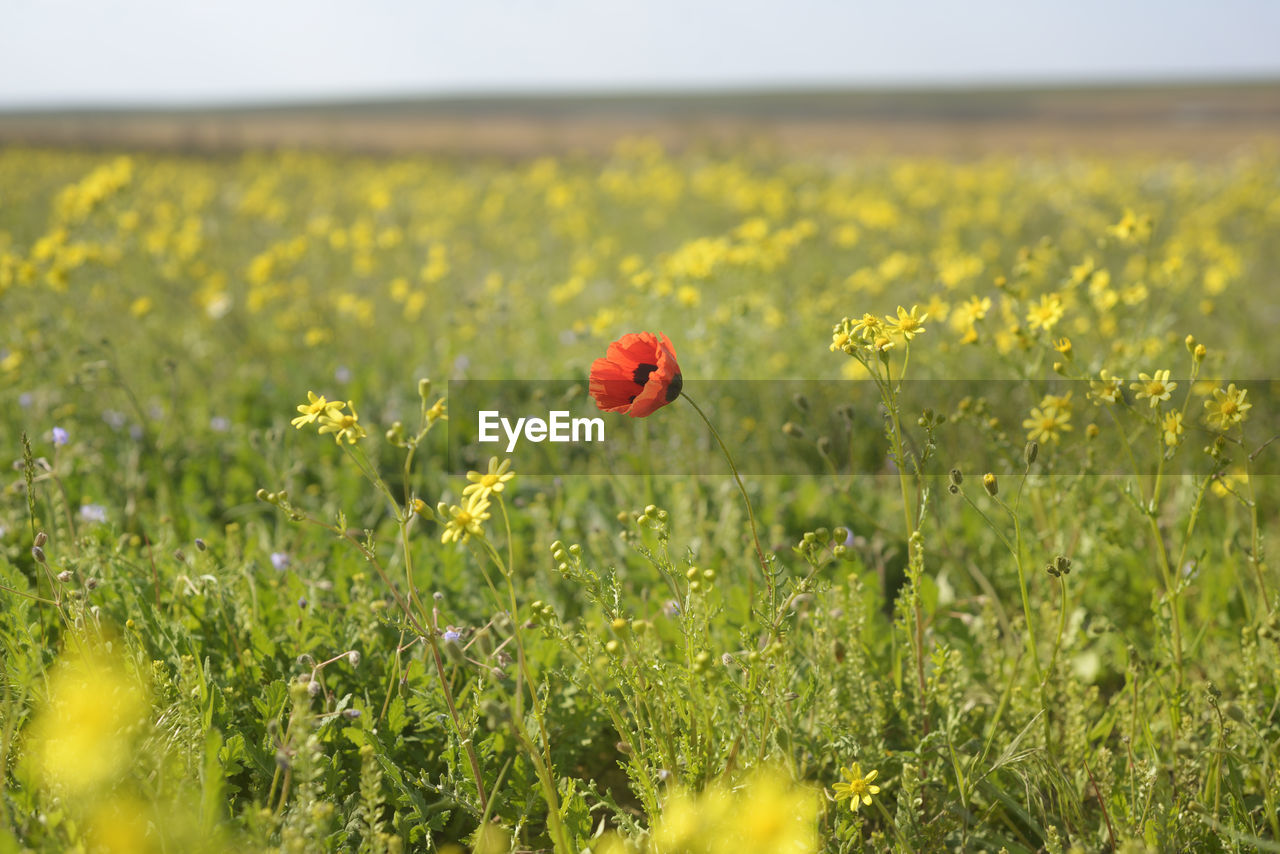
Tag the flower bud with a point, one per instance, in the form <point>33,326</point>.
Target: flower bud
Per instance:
<point>64,576</point>
<point>989,484</point>
<point>424,388</point>
<point>201,545</point>
<point>795,431</point>
<point>1031,451</point>
<point>1191,343</point>
<point>38,554</point>
<point>41,538</point>
<point>957,477</point>
<point>353,657</point>
<point>1199,353</point>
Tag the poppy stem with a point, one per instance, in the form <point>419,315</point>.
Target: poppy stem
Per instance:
<point>751,516</point>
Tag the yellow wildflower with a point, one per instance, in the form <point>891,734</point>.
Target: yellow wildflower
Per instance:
<point>1227,407</point>
<point>342,425</point>
<point>314,408</point>
<point>1172,428</point>
<point>856,787</point>
<point>868,326</point>
<point>1155,388</point>
<point>495,480</point>
<point>465,520</point>
<point>908,324</point>
<point>1046,424</point>
<point>1105,389</point>
<point>1046,313</point>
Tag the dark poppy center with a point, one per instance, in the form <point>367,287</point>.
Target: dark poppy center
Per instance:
<point>673,390</point>
<point>641,376</point>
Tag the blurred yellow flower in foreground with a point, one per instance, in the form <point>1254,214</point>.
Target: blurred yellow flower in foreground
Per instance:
<point>82,738</point>
<point>767,814</point>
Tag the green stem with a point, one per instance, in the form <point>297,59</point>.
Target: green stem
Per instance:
<point>751,517</point>
<point>1022,588</point>
<point>917,640</point>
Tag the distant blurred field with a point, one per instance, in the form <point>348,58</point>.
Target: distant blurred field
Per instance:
<point>1202,119</point>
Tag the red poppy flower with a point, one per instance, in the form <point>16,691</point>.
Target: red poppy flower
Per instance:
<point>638,375</point>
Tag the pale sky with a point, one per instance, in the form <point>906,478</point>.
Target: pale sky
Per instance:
<point>173,52</point>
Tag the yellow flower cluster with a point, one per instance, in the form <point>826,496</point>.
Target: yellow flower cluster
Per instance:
<point>344,426</point>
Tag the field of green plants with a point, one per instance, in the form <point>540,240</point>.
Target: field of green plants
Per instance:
<point>249,605</point>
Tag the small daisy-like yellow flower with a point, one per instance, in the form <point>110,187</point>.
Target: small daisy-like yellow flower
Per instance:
<point>1227,407</point>
<point>1106,389</point>
<point>1172,427</point>
<point>856,786</point>
<point>465,521</point>
<point>1046,313</point>
<point>908,324</point>
<point>1131,228</point>
<point>495,480</point>
<point>841,334</point>
<point>439,411</point>
<point>1046,424</point>
<point>977,307</point>
<point>314,408</point>
<point>868,326</point>
<point>1082,272</point>
<point>1063,346</point>
<point>1155,388</point>
<point>882,344</point>
<point>1057,402</point>
<point>343,425</point>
